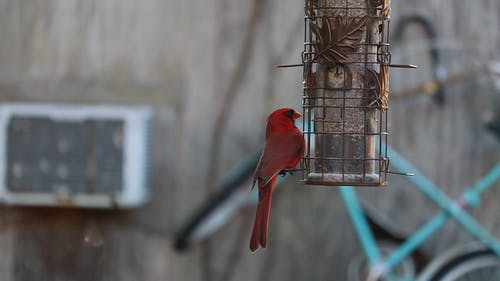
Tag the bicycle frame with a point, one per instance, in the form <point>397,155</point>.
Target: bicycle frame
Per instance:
<point>449,209</point>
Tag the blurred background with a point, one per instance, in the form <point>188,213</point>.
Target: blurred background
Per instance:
<point>207,69</point>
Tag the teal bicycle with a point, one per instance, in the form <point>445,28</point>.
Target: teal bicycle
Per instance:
<point>395,257</point>
<point>479,261</point>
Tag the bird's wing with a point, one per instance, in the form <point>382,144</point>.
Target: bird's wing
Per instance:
<point>280,151</point>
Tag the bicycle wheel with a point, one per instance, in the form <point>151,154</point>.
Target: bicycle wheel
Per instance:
<point>220,208</point>
<point>359,267</point>
<point>473,262</point>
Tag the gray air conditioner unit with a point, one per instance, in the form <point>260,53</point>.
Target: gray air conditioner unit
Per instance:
<point>73,155</point>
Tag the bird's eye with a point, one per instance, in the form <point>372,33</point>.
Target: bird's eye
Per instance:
<point>290,113</point>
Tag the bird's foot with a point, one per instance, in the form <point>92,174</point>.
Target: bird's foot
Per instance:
<point>285,171</point>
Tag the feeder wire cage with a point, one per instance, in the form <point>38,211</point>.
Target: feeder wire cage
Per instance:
<point>345,93</point>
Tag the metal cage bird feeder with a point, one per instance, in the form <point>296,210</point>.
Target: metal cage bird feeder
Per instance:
<point>345,65</point>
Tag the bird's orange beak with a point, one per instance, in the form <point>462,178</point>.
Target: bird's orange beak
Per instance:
<point>296,115</point>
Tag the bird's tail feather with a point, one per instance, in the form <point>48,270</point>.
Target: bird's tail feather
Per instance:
<point>259,232</point>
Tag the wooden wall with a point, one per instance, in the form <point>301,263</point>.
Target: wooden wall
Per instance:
<point>208,66</point>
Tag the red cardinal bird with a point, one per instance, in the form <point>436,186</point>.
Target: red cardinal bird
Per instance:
<point>283,149</point>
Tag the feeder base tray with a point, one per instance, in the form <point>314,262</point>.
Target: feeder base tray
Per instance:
<point>331,179</point>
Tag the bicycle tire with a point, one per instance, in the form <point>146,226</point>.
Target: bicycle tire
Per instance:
<point>494,126</point>
<point>359,267</point>
<point>220,208</point>
<point>474,262</point>
<point>233,194</point>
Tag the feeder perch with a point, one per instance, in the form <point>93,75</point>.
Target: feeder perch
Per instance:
<point>345,65</point>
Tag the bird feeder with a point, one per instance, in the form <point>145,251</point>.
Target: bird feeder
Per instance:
<point>345,66</point>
